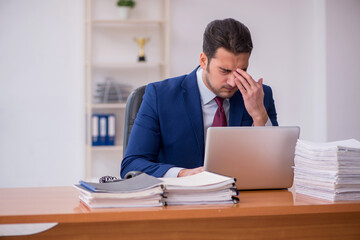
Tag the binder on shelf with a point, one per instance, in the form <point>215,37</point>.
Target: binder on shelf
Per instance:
<point>111,130</point>
<point>95,130</point>
<point>103,122</point>
<point>103,131</point>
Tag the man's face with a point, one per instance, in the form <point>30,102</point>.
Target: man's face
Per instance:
<point>218,74</point>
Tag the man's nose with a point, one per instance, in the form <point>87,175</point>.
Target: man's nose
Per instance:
<point>231,80</point>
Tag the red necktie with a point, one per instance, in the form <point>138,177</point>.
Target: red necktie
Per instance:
<point>219,118</point>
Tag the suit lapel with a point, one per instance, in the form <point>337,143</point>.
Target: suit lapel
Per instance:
<point>192,103</point>
<point>236,109</point>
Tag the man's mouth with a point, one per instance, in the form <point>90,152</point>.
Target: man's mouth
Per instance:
<point>229,88</point>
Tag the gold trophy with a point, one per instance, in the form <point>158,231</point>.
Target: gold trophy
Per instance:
<point>142,41</point>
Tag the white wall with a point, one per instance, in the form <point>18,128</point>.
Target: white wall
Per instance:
<point>307,51</point>
<point>343,69</point>
<point>41,100</point>
<point>283,55</point>
<point>297,46</point>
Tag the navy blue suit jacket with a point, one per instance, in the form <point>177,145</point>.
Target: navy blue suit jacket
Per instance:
<point>168,131</point>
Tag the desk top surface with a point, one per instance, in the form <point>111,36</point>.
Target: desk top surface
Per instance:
<point>61,204</point>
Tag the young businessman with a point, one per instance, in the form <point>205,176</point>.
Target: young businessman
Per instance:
<point>167,139</point>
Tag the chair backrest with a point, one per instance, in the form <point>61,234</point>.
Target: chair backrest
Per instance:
<point>132,107</point>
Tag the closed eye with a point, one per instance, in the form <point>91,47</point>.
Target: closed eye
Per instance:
<point>225,71</point>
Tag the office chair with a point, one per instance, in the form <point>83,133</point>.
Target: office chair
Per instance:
<point>132,107</point>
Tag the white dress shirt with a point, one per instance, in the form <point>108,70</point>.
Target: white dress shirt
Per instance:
<point>208,103</point>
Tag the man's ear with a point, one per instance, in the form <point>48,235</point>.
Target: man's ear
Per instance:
<point>203,61</point>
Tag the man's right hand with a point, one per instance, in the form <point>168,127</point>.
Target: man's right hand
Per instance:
<point>188,172</point>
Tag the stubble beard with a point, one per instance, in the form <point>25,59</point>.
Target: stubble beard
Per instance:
<point>215,91</point>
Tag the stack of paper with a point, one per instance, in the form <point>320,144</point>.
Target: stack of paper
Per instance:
<point>146,191</point>
<point>140,191</point>
<point>202,188</point>
<point>328,170</point>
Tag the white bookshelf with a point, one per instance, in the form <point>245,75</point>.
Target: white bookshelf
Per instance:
<point>108,106</point>
<point>105,148</point>
<point>112,22</point>
<point>111,52</point>
<point>127,65</point>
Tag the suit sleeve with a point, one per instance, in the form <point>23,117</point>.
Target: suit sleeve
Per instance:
<point>270,106</point>
<point>145,139</point>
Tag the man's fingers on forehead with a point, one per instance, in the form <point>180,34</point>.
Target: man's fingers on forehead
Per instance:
<point>242,72</point>
<point>248,78</point>
<point>242,79</point>
<point>240,85</point>
<point>239,75</point>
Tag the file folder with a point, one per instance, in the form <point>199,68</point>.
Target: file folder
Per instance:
<point>95,130</point>
<point>103,122</point>
<point>111,130</point>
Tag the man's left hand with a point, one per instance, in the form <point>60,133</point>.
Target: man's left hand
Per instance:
<point>253,95</point>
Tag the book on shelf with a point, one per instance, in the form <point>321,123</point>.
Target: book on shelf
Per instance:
<point>329,171</point>
<point>147,191</point>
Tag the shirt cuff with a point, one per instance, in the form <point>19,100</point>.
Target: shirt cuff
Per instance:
<point>172,172</point>
<point>267,124</point>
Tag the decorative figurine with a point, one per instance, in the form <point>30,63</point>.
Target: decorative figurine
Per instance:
<point>142,41</point>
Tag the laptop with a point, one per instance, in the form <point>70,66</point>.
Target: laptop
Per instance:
<point>258,157</point>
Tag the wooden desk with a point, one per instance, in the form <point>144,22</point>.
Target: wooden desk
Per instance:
<point>259,215</point>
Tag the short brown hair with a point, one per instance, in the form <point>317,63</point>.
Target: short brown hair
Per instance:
<point>229,34</point>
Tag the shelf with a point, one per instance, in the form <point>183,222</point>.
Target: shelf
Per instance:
<point>127,65</point>
<point>119,22</point>
<point>109,51</point>
<point>106,148</point>
<point>108,105</point>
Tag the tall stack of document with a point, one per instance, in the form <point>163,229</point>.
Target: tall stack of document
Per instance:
<point>201,188</point>
<point>147,191</point>
<point>329,171</point>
